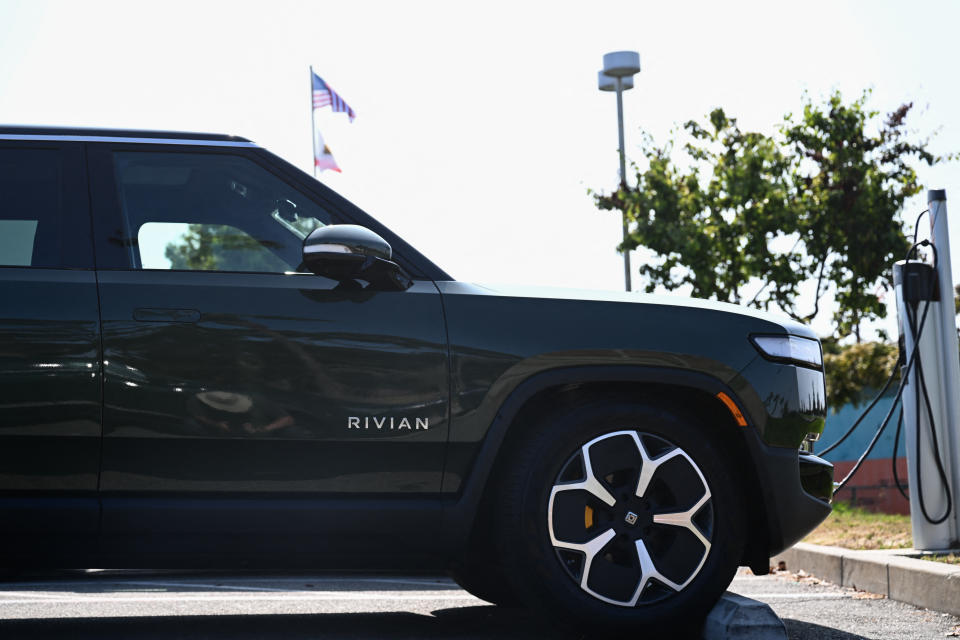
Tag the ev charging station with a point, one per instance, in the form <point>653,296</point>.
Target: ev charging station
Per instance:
<point>931,386</point>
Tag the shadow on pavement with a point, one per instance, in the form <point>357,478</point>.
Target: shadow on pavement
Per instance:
<point>466,623</point>
<point>799,630</point>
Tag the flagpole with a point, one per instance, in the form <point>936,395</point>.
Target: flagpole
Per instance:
<point>313,128</point>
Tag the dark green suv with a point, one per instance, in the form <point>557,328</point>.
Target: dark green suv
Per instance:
<point>209,359</point>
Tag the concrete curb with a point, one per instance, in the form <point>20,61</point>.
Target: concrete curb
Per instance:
<point>735,616</point>
<point>890,572</point>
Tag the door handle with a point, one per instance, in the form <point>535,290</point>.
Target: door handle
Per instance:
<point>166,315</point>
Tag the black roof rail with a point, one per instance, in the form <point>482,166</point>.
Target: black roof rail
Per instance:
<point>27,130</point>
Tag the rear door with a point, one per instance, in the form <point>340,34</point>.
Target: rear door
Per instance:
<point>50,381</point>
<point>252,409</point>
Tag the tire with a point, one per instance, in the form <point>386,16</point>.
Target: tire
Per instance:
<point>619,547</point>
<point>486,582</point>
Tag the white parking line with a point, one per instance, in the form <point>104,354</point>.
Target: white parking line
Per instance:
<point>22,597</point>
<point>179,597</point>
<point>307,579</point>
<point>18,594</point>
<point>442,582</point>
<point>201,585</point>
<point>789,596</point>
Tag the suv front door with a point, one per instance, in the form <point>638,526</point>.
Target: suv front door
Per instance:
<point>250,407</point>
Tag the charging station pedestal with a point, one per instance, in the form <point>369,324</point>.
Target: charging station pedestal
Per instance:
<point>917,286</point>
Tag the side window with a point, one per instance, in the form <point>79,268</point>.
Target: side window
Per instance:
<point>31,207</point>
<point>204,247</point>
<point>211,212</point>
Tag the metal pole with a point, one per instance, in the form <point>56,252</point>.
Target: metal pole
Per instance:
<point>915,292</point>
<point>623,180</point>
<point>939,234</point>
<point>919,287</point>
<point>313,128</point>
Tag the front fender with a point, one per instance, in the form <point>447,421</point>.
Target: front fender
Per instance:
<point>460,512</point>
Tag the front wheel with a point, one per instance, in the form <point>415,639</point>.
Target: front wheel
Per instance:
<point>621,515</point>
<point>485,581</point>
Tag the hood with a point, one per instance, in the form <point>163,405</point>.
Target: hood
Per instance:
<point>628,297</point>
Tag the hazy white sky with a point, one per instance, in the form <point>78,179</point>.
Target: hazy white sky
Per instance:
<point>479,125</point>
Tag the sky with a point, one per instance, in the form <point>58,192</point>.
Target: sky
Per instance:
<point>479,125</point>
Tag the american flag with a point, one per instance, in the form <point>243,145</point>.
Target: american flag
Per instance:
<point>323,95</point>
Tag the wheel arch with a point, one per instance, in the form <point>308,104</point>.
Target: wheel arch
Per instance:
<point>465,519</point>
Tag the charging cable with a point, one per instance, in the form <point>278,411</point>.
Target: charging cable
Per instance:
<point>913,364</point>
<point>920,387</point>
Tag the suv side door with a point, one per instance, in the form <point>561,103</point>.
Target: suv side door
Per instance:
<point>251,409</point>
<point>50,378</point>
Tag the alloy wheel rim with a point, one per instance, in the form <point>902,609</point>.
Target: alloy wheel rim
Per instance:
<point>630,518</point>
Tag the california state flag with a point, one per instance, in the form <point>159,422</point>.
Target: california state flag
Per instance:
<point>322,156</point>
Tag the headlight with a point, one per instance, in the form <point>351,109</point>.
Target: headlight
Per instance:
<point>802,351</point>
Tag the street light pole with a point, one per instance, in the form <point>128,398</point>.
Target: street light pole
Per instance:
<point>619,67</point>
<point>623,182</point>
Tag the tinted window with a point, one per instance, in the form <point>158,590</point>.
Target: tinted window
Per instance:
<point>211,212</point>
<point>204,247</point>
<point>31,204</point>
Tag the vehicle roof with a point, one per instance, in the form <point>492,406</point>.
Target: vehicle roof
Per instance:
<point>89,132</point>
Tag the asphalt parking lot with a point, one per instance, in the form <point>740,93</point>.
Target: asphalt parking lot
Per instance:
<point>241,606</point>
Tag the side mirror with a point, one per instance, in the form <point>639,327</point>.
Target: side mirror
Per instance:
<point>350,252</point>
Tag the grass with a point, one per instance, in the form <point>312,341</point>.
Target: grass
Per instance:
<point>950,558</point>
<point>855,528</point>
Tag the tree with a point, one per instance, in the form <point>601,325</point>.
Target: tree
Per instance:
<point>817,202</point>
<point>213,247</point>
<point>855,369</point>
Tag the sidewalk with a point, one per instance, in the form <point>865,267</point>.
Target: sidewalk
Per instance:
<point>889,572</point>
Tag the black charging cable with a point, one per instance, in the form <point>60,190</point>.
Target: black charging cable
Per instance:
<point>896,436</point>
<point>873,403</point>
<point>886,420</point>
<point>921,389</point>
<point>915,364</point>
<point>893,457</point>
<point>916,225</point>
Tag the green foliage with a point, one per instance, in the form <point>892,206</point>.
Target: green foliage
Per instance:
<point>817,202</point>
<point>212,247</point>
<point>853,369</point>
<point>706,235</point>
